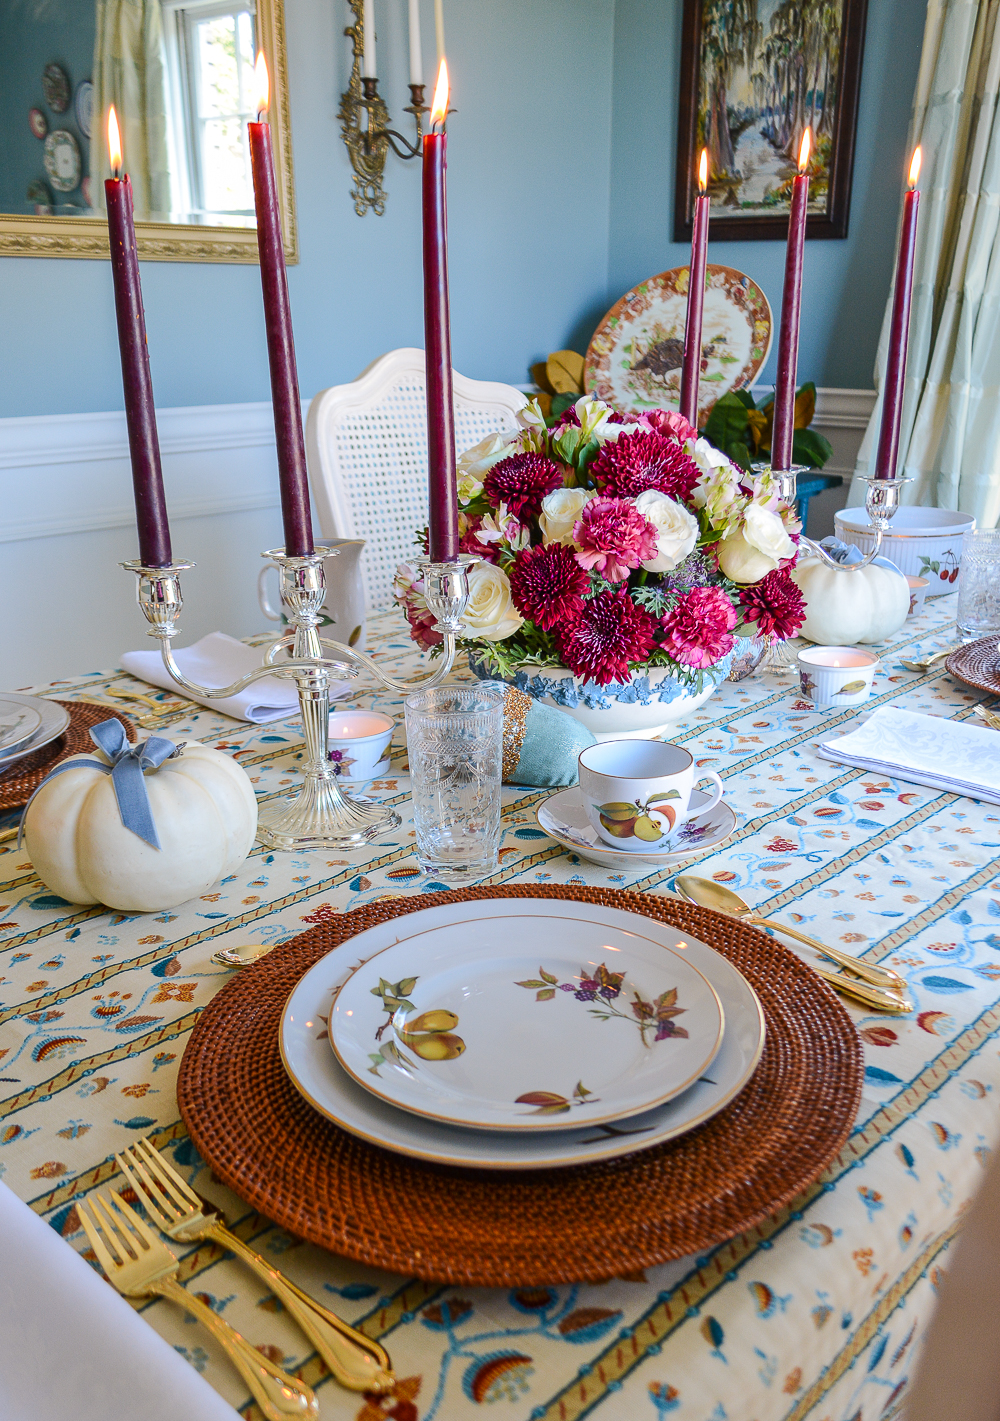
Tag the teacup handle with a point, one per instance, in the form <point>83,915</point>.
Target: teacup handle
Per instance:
<point>710,775</point>
<point>262,597</point>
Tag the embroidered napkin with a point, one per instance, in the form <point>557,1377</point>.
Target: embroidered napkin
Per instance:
<point>924,750</point>
<point>71,1347</point>
<point>219,660</point>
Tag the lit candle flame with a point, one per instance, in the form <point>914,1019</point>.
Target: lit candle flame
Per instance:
<point>114,143</point>
<point>703,171</point>
<point>439,108</point>
<point>263,84</point>
<point>915,166</point>
<point>805,148</point>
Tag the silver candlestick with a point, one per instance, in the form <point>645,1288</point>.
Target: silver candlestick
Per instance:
<point>882,500</point>
<point>321,815</point>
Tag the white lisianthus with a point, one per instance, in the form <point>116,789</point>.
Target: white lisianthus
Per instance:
<point>489,612</point>
<point>560,511</point>
<point>503,528</point>
<point>676,529</point>
<point>757,548</point>
<point>530,416</point>
<point>475,463</point>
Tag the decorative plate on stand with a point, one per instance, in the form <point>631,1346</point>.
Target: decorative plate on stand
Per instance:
<point>634,357</point>
<point>55,87</point>
<point>62,160</point>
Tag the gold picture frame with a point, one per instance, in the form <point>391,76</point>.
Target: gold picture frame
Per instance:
<point>166,241</point>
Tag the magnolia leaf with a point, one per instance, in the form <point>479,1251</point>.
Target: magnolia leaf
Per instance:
<point>745,398</point>
<point>544,403</point>
<point>565,371</point>
<point>547,976</point>
<point>545,995</point>
<point>540,375</point>
<point>727,424</point>
<point>811,448</point>
<point>805,405</point>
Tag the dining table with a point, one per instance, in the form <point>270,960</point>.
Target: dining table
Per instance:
<point>815,1312</point>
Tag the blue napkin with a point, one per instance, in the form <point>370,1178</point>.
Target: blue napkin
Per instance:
<point>540,743</point>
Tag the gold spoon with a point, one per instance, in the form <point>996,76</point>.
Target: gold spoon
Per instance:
<point>240,956</point>
<point>878,986</point>
<point>926,665</point>
<point>990,717</point>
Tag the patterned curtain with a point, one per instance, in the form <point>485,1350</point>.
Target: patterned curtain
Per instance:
<point>950,435</point>
<point>129,72</point>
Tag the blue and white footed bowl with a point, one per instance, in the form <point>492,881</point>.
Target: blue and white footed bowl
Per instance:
<point>650,703</point>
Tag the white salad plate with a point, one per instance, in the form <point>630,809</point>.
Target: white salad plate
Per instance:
<point>54,719</point>
<point>321,1080</point>
<point>563,817</point>
<point>18,723</point>
<point>530,1022</point>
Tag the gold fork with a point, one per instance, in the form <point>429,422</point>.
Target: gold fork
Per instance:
<point>140,1265</point>
<point>358,1363</point>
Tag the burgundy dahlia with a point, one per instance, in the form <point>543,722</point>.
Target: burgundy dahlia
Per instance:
<point>641,461</point>
<point>547,585</point>
<point>698,628</point>
<point>610,632</point>
<point>521,481</point>
<point>775,604</point>
<point>613,537</point>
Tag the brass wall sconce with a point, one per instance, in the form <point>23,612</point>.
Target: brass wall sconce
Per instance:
<point>364,123</point>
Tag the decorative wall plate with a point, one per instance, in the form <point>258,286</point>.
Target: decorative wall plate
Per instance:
<point>62,160</point>
<point>38,123</point>
<point>563,817</point>
<point>18,723</point>
<point>318,1077</point>
<point>83,106</point>
<point>634,357</point>
<point>56,87</point>
<point>54,720</point>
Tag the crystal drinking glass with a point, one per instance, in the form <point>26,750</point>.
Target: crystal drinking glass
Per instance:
<point>979,584</point>
<point>454,736</point>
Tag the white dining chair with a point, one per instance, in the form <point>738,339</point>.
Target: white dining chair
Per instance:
<point>367,449</point>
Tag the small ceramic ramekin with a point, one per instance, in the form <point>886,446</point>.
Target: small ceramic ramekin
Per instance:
<point>918,591</point>
<point>359,744</point>
<point>836,675</point>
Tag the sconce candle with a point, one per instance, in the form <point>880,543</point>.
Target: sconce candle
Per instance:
<point>895,370</point>
<point>416,53</point>
<point>691,366</point>
<point>783,429</point>
<point>368,62</point>
<point>442,478</point>
<point>291,442</point>
<point>140,414</point>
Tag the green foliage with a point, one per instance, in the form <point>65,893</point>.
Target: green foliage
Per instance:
<point>727,427</point>
<point>811,448</point>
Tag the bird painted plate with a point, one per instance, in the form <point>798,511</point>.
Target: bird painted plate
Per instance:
<point>634,358</point>
<point>563,817</point>
<point>18,723</point>
<point>533,1022</point>
<point>54,719</point>
<point>318,1077</point>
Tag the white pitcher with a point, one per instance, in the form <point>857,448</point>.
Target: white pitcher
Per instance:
<point>344,608</point>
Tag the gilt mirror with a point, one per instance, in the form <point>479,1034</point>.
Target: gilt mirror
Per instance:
<point>180,74</point>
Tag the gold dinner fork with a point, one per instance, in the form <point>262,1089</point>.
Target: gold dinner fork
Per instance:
<point>140,1265</point>
<point>357,1362</point>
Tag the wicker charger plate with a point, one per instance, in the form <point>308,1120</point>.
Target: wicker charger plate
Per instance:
<point>17,786</point>
<point>977,664</point>
<point>551,1226</point>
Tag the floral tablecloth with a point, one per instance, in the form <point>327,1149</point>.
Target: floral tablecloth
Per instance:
<point>816,1314</point>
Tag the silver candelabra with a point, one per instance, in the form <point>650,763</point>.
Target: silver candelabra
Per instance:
<point>882,500</point>
<point>321,815</point>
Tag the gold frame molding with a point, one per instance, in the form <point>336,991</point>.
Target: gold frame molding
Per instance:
<point>167,241</point>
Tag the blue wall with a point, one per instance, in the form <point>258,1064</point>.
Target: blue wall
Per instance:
<point>561,176</point>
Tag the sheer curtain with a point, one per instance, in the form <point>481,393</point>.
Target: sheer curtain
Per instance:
<point>129,72</point>
<point>950,435</point>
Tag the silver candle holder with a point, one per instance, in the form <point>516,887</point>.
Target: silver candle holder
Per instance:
<point>882,500</point>
<point>321,815</point>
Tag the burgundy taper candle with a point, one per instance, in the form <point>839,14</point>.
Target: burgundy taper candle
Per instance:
<point>442,481</point>
<point>140,414</point>
<point>291,444</point>
<point>783,427</point>
<point>691,365</point>
<point>895,369</point>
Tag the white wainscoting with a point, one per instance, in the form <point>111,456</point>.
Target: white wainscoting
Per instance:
<point>67,519</point>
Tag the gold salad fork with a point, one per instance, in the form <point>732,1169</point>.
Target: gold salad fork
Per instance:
<point>140,1265</point>
<point>358,1363</point>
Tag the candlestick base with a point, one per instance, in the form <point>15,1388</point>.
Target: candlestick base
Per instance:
<point>323,817</point>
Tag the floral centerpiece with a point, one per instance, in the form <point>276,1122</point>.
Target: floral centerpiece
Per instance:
<point>621,559</point>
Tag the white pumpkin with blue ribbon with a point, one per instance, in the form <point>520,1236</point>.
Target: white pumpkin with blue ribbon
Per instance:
<point>848,605</point>
<point>139,827</point>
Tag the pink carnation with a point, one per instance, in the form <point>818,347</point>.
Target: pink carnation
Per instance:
<point>669,422</point>
<point>699,626</point>
<point>613,538</point>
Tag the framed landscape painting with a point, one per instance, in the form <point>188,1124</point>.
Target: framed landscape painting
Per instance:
<point>755,74</point>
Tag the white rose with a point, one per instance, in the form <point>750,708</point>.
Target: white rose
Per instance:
<point>676,529</point>
<point>475,463</point>
<point>757,548</point>
<point>489,612</point>
<point>560,511</point>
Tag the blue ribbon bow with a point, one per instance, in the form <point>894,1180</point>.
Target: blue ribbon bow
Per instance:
<point>128,762</point>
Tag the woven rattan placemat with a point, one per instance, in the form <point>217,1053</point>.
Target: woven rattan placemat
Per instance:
<point>977,664</point>
<point>551,1226</point>
<point>21,781</point>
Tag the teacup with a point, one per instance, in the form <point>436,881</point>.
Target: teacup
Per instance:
<point>637,793</point>
<point>358,747</point>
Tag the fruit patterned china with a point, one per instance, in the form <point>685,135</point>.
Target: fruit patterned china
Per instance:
<point>359,744</point>
<point>638,792</point>
<point>836,675</point>
<point>922,542</point>
<point>918,591</point>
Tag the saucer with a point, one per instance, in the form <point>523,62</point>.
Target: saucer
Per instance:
<point>564,818</point>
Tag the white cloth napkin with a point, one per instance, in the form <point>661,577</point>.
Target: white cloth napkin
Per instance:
<point>924,750</point>
<point>71,1347</point>
<point>219,660</point>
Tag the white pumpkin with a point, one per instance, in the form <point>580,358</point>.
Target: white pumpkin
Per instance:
<point>205,812</point>
<point>850,605</point>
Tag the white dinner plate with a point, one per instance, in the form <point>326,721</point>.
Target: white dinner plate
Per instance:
<point>54,720</point>
<point>18,723</point>
<point>563,817</point>
<point>529,1022</point>
<point>322,1081</point>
